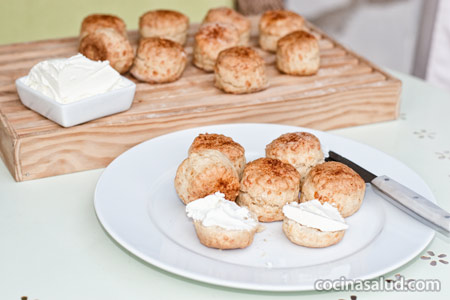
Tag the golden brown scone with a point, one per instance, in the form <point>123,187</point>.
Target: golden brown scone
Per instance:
<point>240,70</point>
<point>166,24</point>
<point>266,186</point>
<point>210,39</point>
<point>298,54</point>
<point>300,149</point>
<point>230,16</point>
<point>220,238</point>
<point>204,173</point>
<point>108,44</point>
<point>274,24</point>
<point>310,237</point>
<point>159,60</point>
<point>234,151</point>
<point>337,184</point>
<point>96,21</point>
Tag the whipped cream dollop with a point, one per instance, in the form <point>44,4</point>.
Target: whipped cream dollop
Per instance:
<point>324,217</point>
<point>215,210</point>
<point>71,79</point>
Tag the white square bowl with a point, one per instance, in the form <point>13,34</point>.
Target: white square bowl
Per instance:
<point>80,111</point>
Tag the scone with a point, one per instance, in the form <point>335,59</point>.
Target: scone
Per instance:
<point>240,70</point>
<point>204,173</point>
<point>96,21</point>
<point>108,44</point>
<point>230,16</point>
<point>274,24</point>
<point>159,60</point>
<point>222,224</point>
<point>337,184</point>
<point>234,151</point>
<point>312,224</point>
<point>298,54</point>
<point>266,186</point>
<point>166,24</point>
<point>300,149</point>
<point>210,39</point>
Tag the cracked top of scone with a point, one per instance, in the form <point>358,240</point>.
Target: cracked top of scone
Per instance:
<point>335,176</point>
<point>220,142</point>
<point>296,148</point>
<point>161,19</point>
<point>228,15</point>
<point>271,174</point>
<point>240,59</point>
<point>280,22</point>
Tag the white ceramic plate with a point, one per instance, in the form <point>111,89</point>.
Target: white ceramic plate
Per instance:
<point>136,203</point>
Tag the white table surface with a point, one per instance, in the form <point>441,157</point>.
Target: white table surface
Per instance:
<point>53,247</point>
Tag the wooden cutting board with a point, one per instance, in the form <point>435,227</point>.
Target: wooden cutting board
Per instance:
<point>347,91</point>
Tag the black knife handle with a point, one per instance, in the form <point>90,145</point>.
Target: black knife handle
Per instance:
<point>410,201</point>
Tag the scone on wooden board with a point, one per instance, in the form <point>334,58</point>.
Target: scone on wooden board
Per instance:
<point>97,21</point>
<point>313,224</point>
<point>159,60</point>
<point>274,24</point>
<point>210,40</point>
<point>108,44</point>
<point>204,173</point>
<point>166,24</point>
<point>300,149</point>
<point>266,186</point>
<point>230,16</point>
<point>337,184</point>
<point>222,224</point>
<point>298,54</point>
<point>234,151</point>
<point>240,70</point>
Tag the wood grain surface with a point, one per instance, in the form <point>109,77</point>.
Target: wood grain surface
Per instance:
<point>347,91</point>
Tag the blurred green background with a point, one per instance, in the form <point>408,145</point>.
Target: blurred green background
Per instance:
<point>29,20</point>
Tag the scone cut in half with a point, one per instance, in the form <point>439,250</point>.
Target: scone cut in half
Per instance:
<point>230,16</point>
<point>159,60</point>
<point>210,40</point>
<point>166,24</point>
<point>204,173</point>
<point>337,184</point>
<point>266,186</point>
<point>240,70</point>
<point>313,224</point>
<point>298,54</point>
<point>97,21</point>
<point>274,24</point>
<point>222,224</point>
<point>108,44</point>
<point>300,149</point>
<point>234,151</point>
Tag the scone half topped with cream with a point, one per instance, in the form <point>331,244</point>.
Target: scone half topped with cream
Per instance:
<point>313,224</point>
<point>222,224</point>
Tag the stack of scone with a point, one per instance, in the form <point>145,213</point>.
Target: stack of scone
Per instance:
<point>268,191</point>
<point>104,37</point>
<point>160,56</point>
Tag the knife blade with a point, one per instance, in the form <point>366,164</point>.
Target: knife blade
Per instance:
<point>402,197</point>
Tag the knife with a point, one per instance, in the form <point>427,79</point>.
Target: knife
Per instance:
<point>402,197</point>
